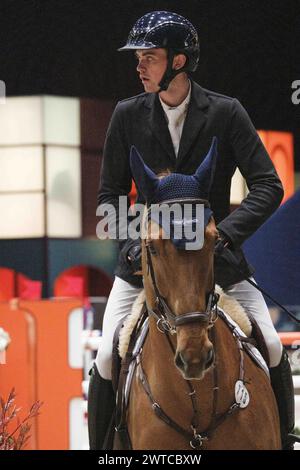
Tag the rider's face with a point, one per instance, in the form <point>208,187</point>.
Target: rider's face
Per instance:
<point>152,64</point>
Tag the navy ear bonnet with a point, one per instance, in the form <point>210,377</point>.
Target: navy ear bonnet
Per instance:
<point>175,186</point>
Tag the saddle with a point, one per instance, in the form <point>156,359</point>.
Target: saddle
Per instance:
<point>123,369</point>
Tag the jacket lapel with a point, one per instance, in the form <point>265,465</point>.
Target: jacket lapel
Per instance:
<point>159,126</point>
<point>194,121</point>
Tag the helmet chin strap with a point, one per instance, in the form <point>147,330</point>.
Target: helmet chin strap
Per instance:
<point>170,73</point>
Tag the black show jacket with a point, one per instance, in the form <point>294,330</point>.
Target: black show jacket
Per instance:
<point>141,121</point>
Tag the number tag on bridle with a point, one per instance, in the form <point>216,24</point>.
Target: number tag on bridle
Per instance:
<point>242,397</point>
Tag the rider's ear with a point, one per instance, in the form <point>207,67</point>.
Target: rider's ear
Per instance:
<point>145,179</point>
<point>179,61</point>
<point>205,172</point>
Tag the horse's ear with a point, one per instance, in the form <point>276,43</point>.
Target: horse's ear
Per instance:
<point>205,172</point>
<point>145,179</point>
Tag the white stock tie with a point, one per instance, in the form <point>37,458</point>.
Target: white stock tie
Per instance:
<point>175,117</point>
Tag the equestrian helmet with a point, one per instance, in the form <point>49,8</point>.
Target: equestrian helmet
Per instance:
<point>164,29</point>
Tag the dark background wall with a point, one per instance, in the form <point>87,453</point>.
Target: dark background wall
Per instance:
<point>249,49</point>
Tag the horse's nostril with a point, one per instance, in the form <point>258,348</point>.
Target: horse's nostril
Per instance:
<point>210,358</point>
<point>179,361</point>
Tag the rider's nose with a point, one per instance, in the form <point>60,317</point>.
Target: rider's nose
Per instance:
<point>140,66</point>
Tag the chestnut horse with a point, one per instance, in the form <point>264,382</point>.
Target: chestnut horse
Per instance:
<point>184,392</point>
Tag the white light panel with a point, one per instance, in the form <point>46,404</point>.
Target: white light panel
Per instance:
<point>21,169</point>
<point>61,120</point>
<point>40,120</point>
<point>63,189</point>
<point>22,215</point>
<point>21,121</point>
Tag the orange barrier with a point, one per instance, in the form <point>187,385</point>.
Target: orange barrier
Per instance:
<point>37,366</point>
<point>7,284</point>
<point>280,147</point>
<point>20,370</point>
<point>133,193</point>
<point>289,338</point>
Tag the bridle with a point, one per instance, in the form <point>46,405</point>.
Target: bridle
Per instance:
<point>167,321</point>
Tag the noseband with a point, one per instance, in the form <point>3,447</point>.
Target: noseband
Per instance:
<point>167,321</point>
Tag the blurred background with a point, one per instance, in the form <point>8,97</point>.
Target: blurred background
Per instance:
<point>62,78</point>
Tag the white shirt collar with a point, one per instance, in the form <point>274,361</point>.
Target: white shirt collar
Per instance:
<point>182,106</point>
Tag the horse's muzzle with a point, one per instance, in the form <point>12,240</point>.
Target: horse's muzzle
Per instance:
<point>193,367</point>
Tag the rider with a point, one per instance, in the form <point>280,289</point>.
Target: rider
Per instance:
<point>172,125</point>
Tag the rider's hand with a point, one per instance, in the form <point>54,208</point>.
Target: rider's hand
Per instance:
<point>221,244</point>
<point>134,257</point>
<point>131,253</point>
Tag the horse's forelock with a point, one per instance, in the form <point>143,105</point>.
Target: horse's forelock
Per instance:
<point>163,173</point>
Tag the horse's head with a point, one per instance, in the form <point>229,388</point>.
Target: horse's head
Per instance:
<point>178,270</point>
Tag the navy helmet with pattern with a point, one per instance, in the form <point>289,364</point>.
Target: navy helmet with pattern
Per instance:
<point>164,29</point>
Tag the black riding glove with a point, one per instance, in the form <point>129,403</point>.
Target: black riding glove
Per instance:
<point>221,243</point>
<point>132,253</point>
